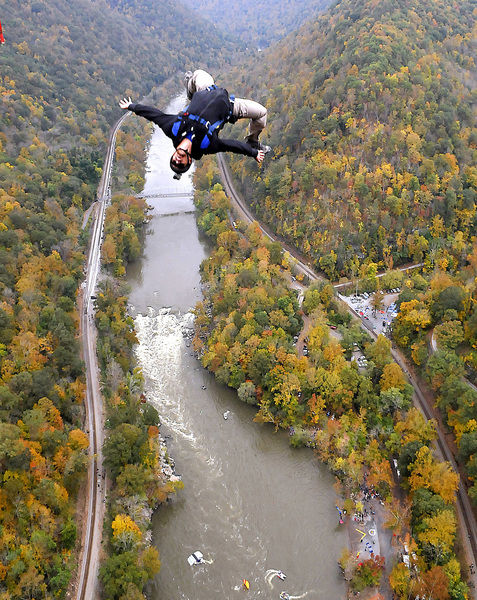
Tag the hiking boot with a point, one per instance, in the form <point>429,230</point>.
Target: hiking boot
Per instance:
<point>258,145</point>
<point>266,149</point>
<point>187,78</point>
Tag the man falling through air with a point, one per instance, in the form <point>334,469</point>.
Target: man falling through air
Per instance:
<point>195,131</point>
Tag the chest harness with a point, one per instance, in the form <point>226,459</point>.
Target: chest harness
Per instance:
<point>210,127</point>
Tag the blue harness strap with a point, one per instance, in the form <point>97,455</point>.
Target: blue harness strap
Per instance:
<point>211,127</point>
<point>177,124</point>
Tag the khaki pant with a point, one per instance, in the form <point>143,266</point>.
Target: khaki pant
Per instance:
<point>243,109</point>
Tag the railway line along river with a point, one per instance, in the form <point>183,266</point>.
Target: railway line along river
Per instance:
<point>251,504</point>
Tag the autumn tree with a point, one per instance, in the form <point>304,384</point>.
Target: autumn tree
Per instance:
<point>437,476</point>
<point>433,583</point>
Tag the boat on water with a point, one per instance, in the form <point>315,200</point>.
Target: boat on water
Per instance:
<point>226,414</point>
<point>281,575</point>
<point>195,558</point>
<point>284,596</point>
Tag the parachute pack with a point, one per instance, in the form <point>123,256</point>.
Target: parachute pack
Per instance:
<point>210,127</point>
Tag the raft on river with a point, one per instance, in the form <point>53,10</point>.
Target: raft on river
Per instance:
<point>195,558</point>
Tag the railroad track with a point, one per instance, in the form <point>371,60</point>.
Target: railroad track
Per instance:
<point>86,588</point>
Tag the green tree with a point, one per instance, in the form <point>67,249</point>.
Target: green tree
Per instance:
<point>132,480</point>
<point>123,446</point>
<point>392,400</point>
<point>449,334</point>
<point>328,265</point>
<point>119,571</point>
<point>467,445</point>
<point>441,365</point>
<point>425,503</point>
<point>380,352</point>
<point>451,298</point>
<point>68,535</point>
<point>247,392</point>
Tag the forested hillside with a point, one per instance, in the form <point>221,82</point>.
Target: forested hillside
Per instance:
<point>373,130</point>
<point>62,70</point>
<point>258,22</point>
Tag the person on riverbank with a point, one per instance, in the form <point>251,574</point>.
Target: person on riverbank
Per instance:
<point>195,131</point>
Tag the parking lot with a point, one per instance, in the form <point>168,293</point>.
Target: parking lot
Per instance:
<point>380,321</point>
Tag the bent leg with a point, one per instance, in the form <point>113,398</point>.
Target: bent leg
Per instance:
<point>249,109</point>
<point>199,80</point>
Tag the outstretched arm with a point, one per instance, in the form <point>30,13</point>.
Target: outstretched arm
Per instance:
<point>150,113</point>
<point>224,145</point>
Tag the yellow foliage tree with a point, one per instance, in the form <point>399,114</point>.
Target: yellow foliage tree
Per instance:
<point>333,353</point>
<point>400,580</point>
<point>124,523</point>
<point>414,314</point>
<point>50,412</point>
<point>392,377</point>
<point>78,440</point>
<point>126,532</point>
<point>445,481</point>
<point>415,428</point>
<point>439,531</point>
<point>439,477</point>
<point>150,561</point>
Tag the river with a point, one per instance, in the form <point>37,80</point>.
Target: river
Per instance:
<point>251,504</point>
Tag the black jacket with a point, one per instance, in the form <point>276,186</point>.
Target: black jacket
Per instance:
<point>212,105</point>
